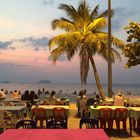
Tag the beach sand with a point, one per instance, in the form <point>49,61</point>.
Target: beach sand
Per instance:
<point>73,123</point>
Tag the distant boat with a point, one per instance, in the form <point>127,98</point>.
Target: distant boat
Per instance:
<point>44,81</point>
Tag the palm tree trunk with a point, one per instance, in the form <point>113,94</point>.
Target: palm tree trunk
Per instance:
<point>98,83</point>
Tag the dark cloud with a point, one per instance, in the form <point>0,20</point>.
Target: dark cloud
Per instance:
<point>48,2</point>
<point>121,14</point>
<point>37,42</point>
<point>4,45</point>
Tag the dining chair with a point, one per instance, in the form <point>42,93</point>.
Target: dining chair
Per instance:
<point>39,114</point>
<point>6,120</point>
<point>26,124</point>
<point>88,122</point>
<point>2,121</point>
<point>105,117</point>
<point>121,116</point>
<point>59,119</point>
<point>25,109</point>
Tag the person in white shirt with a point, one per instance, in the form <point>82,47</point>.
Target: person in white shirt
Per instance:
<point>81,103</point>
<point>119,99</point>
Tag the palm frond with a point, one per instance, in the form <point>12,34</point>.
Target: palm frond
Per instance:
<point>63,23</point>
<point>56,40</point>
<point>97,24</point>
<point>116,54</point>
<point>56,53</point>
<point>90,38</point>
<point>71,51</point>
<point>105,13</point>
<point>115,41</point>
<point>83,10</point>
<point>118,43</point>
<point>70,11</point>
<point>94,12</point>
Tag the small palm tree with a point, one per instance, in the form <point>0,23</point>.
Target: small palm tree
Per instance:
<point>83,35</point>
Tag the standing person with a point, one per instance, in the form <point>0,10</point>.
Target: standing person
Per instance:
<point>39,92</point>
<point>78,104</point>
<point>81,103</point>
<point>97,99</point>
<point>43,90</point>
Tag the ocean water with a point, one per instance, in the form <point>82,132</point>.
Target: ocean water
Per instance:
<point>67,90</point>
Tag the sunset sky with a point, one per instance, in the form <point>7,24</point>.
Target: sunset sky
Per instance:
<point>25,28</point>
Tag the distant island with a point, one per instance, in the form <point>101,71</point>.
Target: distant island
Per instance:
<point>44,81</point>
<point>4,82</point>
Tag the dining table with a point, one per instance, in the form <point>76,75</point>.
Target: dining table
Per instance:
<point>11,100</point>
<point>94,111</point>
<point>17,111</point>
<point>134,115</point>
<point>54,134</point>
<point>49,109</point>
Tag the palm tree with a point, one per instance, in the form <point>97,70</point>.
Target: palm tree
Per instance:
<point>83,35</point>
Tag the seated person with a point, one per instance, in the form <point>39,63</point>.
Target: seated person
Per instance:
<point>33,97</point>
<point>97,99</point>
<point>26,96</point>
<point>63,101</point>
<point>15,94</point>
<point>51,100</point>
<point>2,94</point>
<point>119,99</point>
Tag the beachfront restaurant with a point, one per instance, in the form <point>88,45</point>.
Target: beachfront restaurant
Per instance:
<point>17,121</point>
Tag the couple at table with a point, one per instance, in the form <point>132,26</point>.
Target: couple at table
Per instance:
<point>52,99</point>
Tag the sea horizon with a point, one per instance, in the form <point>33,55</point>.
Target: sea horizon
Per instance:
<point>88,83</point>
<point>70,87</point>
<point>69,91</point>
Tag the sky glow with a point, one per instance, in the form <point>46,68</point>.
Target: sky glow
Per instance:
<point>25,29</point>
